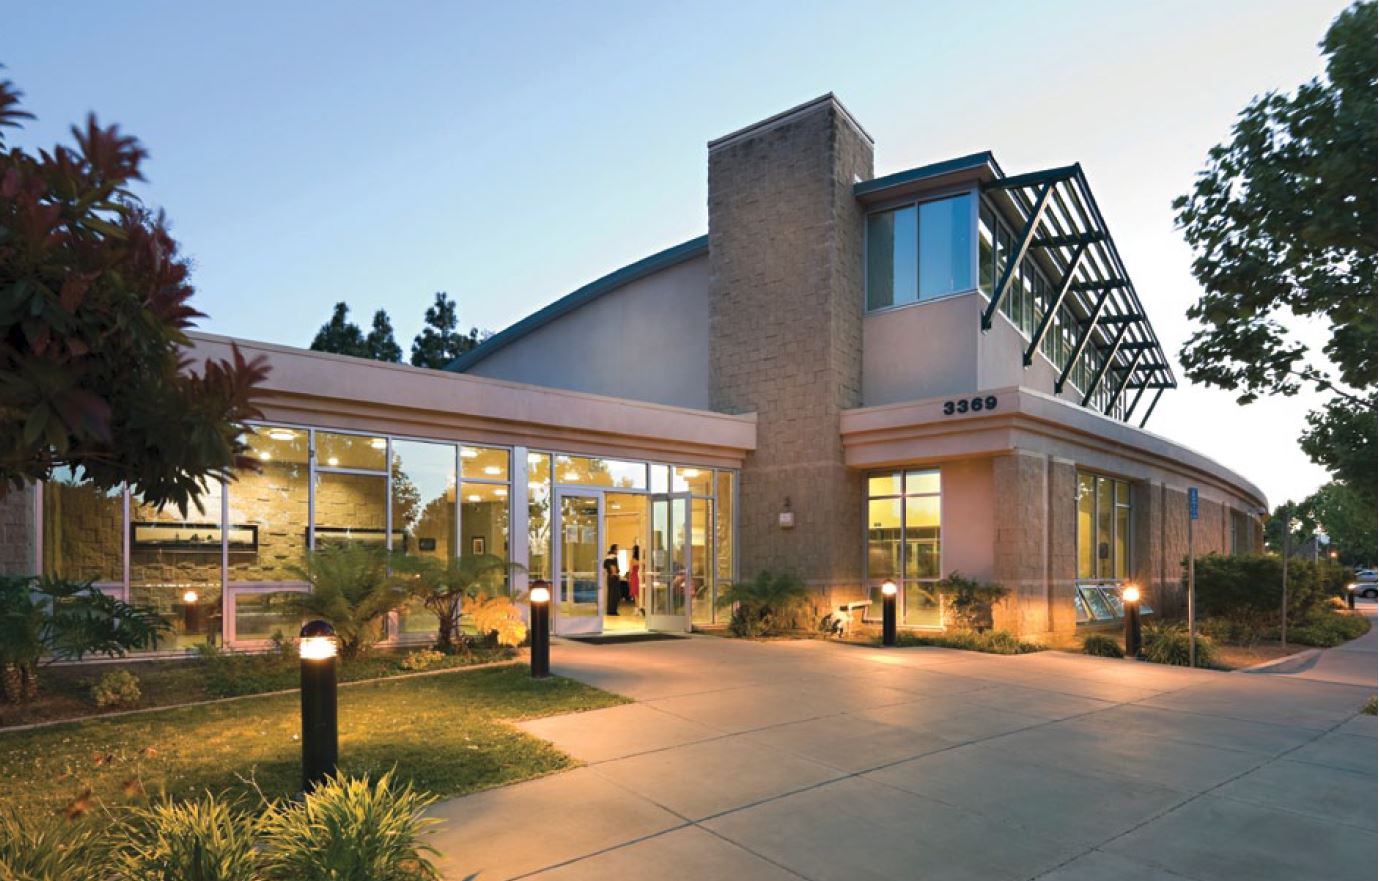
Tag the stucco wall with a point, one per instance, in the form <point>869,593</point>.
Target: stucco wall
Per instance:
<point>969,525</point>
<point>646,341</point>
<point>938,348</point>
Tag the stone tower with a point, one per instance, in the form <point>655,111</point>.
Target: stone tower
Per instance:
<point>785,311</point>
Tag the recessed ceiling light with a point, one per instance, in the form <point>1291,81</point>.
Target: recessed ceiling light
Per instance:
<point>476,498</point>
<point>690,473</point>
<point>378,443</point>
<point>500,493</point>
<point>333,461</point>
<point>493,469</point>
<point>282,434</point>
<point>469,452</point>
<point>571,476</point>
<point>265,456</point>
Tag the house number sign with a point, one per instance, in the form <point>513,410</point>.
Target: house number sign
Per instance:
<point>969,405</point>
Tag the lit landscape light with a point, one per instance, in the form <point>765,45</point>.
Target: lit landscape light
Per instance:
<point>1131,594</point>
<point>540,595</point>
<point>888,589</point>
<point>190,597</point>
<point>318,648</point>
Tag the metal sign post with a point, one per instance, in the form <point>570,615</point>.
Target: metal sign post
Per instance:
<point>1191,580</point>
<point>1283,612</point>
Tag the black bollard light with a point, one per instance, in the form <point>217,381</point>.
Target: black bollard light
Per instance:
<point>320,738</point>
<point>191,612</point>
<point>1130,598</point>
<point>540,599</point>
<point>888,592</point>
<point>1350,596</point>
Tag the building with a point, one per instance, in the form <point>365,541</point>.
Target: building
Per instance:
<point>853,378</point>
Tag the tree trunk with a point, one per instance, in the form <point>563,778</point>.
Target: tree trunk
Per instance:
<point>30,675</point>
<point>12,683</point>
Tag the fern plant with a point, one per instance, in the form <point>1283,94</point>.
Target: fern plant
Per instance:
<point>349,829</point>
<point>1169,644</point>
<point>469,582</point>
<point>1102,646</point>
<point>353,589</point>
<point>969,601</point>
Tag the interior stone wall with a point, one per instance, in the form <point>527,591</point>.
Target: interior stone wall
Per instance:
<point>18,526</point>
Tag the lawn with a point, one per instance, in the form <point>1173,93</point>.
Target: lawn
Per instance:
<point>447,734</point>
<point>66,690</point>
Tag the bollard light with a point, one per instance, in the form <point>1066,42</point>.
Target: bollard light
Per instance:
<point>540,599</point>
<point>1350,595</point>
<point>888,592</point>
<point>320,737</point>
<point>1130,598</point>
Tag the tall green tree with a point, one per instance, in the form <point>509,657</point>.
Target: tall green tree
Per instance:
<point>95,302</point>
<point>440,340</point>
<point>340,335</point>
<point>1282,221</point>
<point>1337,511</point>
<point>380,343</point>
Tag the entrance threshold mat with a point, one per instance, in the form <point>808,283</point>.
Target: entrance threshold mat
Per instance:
<point>631,637</point>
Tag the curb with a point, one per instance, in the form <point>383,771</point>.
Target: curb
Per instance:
<point>1278,662</point>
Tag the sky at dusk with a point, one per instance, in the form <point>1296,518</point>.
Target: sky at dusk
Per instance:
<point>508,153</point>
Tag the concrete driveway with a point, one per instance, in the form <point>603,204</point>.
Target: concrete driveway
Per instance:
<point>813,760</point>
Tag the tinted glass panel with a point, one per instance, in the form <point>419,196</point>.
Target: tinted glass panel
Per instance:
<point>350,451</point>
<point>945,247</point>
<point>892,258</point>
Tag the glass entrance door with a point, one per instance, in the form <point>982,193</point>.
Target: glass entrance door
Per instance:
<point>578,598</point>
<point>671,564</point>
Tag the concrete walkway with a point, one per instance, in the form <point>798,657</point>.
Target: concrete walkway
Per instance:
<point>1351,664</point>
<point>813,760</point>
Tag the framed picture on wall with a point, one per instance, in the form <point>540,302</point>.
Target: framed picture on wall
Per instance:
<point>478,546</point>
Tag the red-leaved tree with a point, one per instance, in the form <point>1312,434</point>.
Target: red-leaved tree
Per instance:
<point>94,308</point>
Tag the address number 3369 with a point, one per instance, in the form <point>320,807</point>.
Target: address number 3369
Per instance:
<point>969,405</point>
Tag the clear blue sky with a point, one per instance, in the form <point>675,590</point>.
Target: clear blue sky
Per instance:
<point>507,153</point>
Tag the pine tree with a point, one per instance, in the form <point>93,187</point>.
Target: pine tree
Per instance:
<point>440,341</point>
<point>340,335</point>
<point>380,343</point>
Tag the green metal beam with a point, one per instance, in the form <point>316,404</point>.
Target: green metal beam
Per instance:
<point>1047,321</point>
<point>1017,256</point>
<point>1034,178</point>
<point>1152,404</point>
<point>1112,284</point>
<point>1124,381</point>
<point>1087,238</point>
<point>1135,402</point>
<point>1122,319</point>
<point>1081,341</point>
<point>1105,363</point>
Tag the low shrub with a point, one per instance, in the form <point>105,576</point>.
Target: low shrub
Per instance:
<point>118,688</point>
<point>420,660</point>
<point>1371,707</point>
<point>1169,644</point>
<point>46,849</point>
<point>348,829</point>
<point>969,601</point>
<point>1247,587</point>
<point>207,839</point>
<point>992,642</point>
<point>1328,629</point>
<point>1102,646</point>
<point>351,830</point>
<point>1234,631</point>
<point>767,605</point>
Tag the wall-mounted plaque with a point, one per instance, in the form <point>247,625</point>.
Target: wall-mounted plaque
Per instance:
<point>367,536</point>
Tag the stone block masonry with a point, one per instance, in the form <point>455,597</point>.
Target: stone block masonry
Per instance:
<point>785,312</point>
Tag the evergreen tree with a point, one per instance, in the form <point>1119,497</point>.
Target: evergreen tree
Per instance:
<point>380,343</point>
<point>440,341</point>
<point>341,336</point>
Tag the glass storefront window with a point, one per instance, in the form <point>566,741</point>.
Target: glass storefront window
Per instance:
<point>903,542</point>
<point>273,503</point>
<point>484,522</point>
<point>424,498</point>
<point>698,481</point>
<point>355,451</point>
<point>585,471</point>
<point>1104,515</point>
<point>723,529</point>
<point>920,252</point>
<point>700,586</point>
<point>83,530</point>
<point>483,463</point>
<point>945,246</point>
<point>174,566</point>
<point>538,517</point>
<point>893,257</point>
<point>352,508</point>
<point>261,616</point>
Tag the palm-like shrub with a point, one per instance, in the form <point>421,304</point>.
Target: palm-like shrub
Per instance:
<point>353,589</point>
<point>1169,644</point>
<point>54,619</point>
<point>766,605</point>
<point>350,830</point>
<point>209,839</point>
<point>475,581</point>
<point>1102,646</point>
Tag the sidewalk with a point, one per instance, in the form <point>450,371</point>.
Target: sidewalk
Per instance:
<point>1354,663</point>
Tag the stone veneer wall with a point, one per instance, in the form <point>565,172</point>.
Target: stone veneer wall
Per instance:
<point>785,311</point>
<point>17,528</point>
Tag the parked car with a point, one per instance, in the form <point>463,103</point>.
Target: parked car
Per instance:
<point>1366,584</point>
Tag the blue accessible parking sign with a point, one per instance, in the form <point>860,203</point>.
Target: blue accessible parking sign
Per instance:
<point>1192,502</point>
